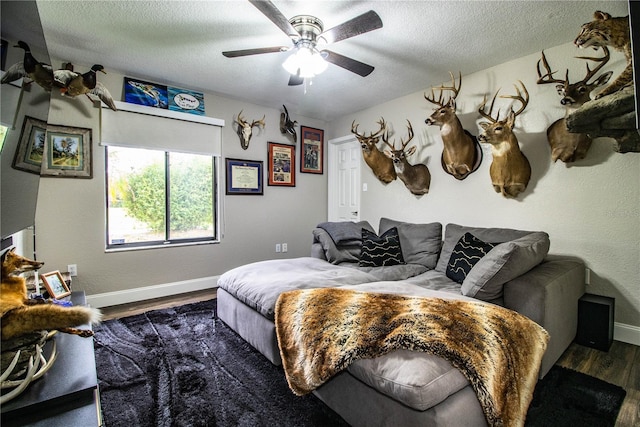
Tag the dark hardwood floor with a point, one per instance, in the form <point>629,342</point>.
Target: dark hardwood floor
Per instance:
<point>620,365</point>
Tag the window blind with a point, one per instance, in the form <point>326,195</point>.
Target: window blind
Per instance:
<point>139,130</point>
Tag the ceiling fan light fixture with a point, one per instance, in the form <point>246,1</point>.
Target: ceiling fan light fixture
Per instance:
<point>306,61</point>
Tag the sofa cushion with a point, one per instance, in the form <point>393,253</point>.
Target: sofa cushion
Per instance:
<point>420,243</point>
<point>378,251</point>
<point>467,252</point>
<point>341,241</point>
<point>453,232</point>
<point>505,262</point>
<point>418,380</point>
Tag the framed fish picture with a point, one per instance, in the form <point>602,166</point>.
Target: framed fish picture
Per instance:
<point>145,93</point>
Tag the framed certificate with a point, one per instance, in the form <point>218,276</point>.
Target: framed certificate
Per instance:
<point>244,177</point>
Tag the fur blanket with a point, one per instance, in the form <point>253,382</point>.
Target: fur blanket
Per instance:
<point>322,331</point>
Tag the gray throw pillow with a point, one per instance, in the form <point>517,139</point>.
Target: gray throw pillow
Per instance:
<point>505,262</point>
<point>420,243</point>
<point>453,233</point>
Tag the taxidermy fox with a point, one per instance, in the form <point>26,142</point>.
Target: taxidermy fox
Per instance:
<point>21,315</point>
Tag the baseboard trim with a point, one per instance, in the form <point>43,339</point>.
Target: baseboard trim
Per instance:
<point>108,299</point>
<point>626,333</point>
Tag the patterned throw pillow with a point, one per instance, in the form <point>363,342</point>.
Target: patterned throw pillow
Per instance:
<point>378,251</point>
<point>467,252</point>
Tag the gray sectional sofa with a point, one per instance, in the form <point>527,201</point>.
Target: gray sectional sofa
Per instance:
<point>409,387</point>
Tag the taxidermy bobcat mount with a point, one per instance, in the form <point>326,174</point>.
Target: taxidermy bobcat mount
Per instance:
<point>607,31</point>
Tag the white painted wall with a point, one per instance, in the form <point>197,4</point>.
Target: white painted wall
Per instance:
<point>590,209</point>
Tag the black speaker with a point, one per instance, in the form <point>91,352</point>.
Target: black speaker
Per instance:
<point>595,321</point>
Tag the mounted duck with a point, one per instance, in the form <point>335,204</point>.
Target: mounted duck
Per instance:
<point>37,71</point>
<point>73,84</point>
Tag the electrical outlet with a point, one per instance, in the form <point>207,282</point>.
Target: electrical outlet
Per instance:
<point>587,276</point>
<point>284,247</point>
<point>72,269</point>
<point>278,247</point>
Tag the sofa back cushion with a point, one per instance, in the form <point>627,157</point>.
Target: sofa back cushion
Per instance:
<point>421,243</point>
<point>515,253</point>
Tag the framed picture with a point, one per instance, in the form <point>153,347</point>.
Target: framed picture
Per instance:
<point>30,151</point>
<point>282,164</point>
<point>67,152</point>
<point>312,148</point>
<point>145,93</point>
<point>244,177</point>
<point>55,285</point>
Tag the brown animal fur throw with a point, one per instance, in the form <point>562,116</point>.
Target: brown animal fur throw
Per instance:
<point>322,331</point>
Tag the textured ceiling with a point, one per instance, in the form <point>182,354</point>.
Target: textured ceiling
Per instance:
<point>179,43</point>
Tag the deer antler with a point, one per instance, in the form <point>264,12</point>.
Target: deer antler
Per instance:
<point>242,122</point>
<point>404,144</point>
<point>524,99</point>
<point>602,62</point>
<point>488,115</point>
<point>258,122</point>
<point>548,78</point>
<point>519,97</point>
<point>442,88</point>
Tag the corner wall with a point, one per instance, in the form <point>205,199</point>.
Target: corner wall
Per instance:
<point>591,209</point>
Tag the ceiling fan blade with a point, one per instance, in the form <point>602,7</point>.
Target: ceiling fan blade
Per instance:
<point>347,63</point>
<point>272,12</point>
<point>364,23</point>
<point>246,52</point>
<point>295,80</point>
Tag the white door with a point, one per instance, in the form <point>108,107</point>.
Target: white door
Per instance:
<point>344,179</point>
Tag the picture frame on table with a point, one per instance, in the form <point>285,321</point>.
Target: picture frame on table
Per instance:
<point>244,177</point>
<point>55,285</point>
<point>30,151</point>
<point>281,164</point>
<point>67,152</point>
<point>311,150</point>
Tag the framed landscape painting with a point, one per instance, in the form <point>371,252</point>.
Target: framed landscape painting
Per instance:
<point>30,151</point>
<point>67,152</point>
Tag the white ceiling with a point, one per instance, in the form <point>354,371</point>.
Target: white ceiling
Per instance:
<point>179,43</point>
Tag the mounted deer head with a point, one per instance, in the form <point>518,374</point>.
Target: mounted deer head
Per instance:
<point>381,165</point>
<point>565,145</point>
<point>510,170</point>
<point>461,154</point>
<point>416,178</point>
<point>287,126</point>
<point>245,129</point>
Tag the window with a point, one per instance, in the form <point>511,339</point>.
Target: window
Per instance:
<point>159,197</point>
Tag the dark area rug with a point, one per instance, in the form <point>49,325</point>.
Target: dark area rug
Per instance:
<point>184,367</point>
<point>569,398</point>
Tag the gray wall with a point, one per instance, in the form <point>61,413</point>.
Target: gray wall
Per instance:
<point>70,218</point>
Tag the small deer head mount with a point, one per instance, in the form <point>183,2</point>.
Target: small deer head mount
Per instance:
<point>381,165</point>
<point>416,178</point>
<point>245,129</point>
<point>565,145</point>
<point>510,170</point>
<point>287,126</point>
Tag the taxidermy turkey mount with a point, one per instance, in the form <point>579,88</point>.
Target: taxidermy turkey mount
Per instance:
<point>306,31</point>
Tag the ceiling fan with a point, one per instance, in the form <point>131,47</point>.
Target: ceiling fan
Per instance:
<point>305,31</point>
